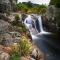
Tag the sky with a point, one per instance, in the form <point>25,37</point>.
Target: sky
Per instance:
<point>36,1</point>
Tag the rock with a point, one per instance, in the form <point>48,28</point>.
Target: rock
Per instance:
<point>24,58</point>
<point>37,54</point>
<point>7,50</point>
<point>27,58</point>
<point>32,59</point>
<point>4,56</point>
<point>34,52</point>
<point>4,26</point>
<point>8,39</point>
<point>1,48</point>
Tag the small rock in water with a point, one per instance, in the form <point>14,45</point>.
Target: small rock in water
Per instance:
<point>34,53</point>
<point>37,54</point>
<point>32,59</point>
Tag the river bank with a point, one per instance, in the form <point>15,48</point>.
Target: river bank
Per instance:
<point>11,36</point>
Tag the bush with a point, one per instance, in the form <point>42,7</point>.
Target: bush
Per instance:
<point>16,21</point>
<point>15,48</point>
<point>15,52</point>
<point>15,57</point>
<point>25,46</point>
<point>23,28</point>
<point>17,17</point>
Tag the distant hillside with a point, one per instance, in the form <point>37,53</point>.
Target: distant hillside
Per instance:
<point>29,7</point>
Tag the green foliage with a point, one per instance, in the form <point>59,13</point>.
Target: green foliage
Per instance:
<point>22,7</point>
<point>16,21</point>
<point>30,7</point>
<point>29,4</point>
<point>15,57</point>
<point>17,17</point>
<point>25,46</point>
<point>55,2</point>
<point>23,28</point>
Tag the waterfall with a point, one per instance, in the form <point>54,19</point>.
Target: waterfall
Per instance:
<point>40,23</point>
<point>41,26</point>
<point>35,27</point>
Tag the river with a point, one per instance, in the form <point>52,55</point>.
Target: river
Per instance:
<point>45,41</point>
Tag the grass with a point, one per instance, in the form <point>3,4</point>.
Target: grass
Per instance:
<point>15,57</point>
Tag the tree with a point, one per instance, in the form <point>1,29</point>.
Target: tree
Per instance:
<point>55,2</point>
<point>29,4</point>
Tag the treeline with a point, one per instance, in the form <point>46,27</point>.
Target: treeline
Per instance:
<point>29,7</point>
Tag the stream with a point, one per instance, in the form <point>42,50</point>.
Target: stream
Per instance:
<point>45,41</point>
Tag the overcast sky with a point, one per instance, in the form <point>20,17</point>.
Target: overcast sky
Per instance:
<point>36,1</point>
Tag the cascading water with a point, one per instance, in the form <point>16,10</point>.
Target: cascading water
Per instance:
<point>38,27</point>
<point>40,23</point>
<point>41,26</point>
<point>45,41</point>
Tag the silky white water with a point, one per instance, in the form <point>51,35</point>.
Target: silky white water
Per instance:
<point>41,26</point>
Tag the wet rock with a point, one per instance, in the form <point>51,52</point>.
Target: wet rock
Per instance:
<point>34,53</point>
<point>37,54</point>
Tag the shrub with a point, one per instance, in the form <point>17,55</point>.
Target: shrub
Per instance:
<point>15,57</point>
<point>15,52</point>
<point>17,17</point>
<point>16,21</point>
<point>25,46</point>
<point>23,28</point>
<point>15,48</point>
